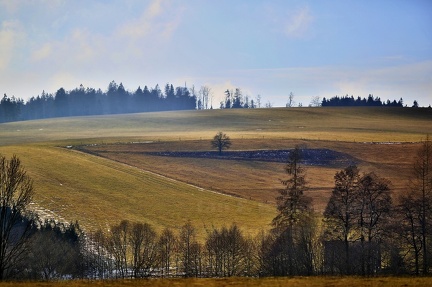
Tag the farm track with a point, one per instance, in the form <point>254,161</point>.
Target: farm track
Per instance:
<point>144,171</point>
<point>244,176</point>
<point>95,195</point>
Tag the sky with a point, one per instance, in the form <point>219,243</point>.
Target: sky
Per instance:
<point>267,48</point>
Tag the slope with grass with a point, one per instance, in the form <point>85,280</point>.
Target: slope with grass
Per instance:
<point>99,191</point>
<point>259,180</point>
<point>343,124</point>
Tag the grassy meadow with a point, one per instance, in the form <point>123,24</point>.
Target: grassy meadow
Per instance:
<point>342,124</point>
<point>166,192</point>
<point>244,178</point>
<point>99,192</point>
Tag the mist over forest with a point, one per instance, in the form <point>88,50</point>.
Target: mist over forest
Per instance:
<point>117,99</point>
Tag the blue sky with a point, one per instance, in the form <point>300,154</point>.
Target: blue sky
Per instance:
<point>270,48</point>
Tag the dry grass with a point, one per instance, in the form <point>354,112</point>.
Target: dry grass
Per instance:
<point>260,181</point>
<point>98,192</point>
<point>251,282</point>
<point>343,124</point>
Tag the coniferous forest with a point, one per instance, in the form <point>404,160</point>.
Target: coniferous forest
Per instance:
<point>117,99</point>
<point>89,101</point>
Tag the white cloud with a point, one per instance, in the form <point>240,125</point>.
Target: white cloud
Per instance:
<point>10,6</point>
<point>42,53</point>
<point>298,23</point>
<point>412,81</point>
<point>158,19</point>
<point>11,34</point>
<point>154,9</point>
<point>77,50</point>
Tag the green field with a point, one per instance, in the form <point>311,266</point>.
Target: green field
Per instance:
<point>98,191</point>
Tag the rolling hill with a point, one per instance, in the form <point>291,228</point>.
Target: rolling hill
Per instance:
<point>111,183</point>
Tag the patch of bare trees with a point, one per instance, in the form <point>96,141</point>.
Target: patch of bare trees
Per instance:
<point>356,217</point>
<point>415,212</point>
<point>205,98</point>
<point>16,192</point>
<point>361,232</point>
<point>134,250</point>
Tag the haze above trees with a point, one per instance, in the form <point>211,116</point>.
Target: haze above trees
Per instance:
<point>118,100</point>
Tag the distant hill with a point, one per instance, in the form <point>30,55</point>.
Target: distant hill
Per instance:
<point>99,191</point>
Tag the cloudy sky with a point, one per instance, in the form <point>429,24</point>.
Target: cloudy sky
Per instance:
<point>271,48</point>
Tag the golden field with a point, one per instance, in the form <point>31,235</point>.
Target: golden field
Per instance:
<point>166,192</point>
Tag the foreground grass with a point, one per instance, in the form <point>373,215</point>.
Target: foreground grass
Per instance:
<point>252,282</point>
<point>98,193</point>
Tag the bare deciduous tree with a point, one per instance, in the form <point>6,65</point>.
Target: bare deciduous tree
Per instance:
<point>98,256</point>
<point>117,245</point>
<point>341,211</point>
<point>190,250</point>
<point>221,141</point>
<point>205,96</point>
<point>410,229</point>
<point>416,208</point>
<point>16,192</point>
<point>142,239</point>
<point>315,102</point>
<point>422,184</point>
<point>290,102</point>
<point>167,247</point>
<point>375,203</point>
<point>258,101</point>
<point>226,249</point>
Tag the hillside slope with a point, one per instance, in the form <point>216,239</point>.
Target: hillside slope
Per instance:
<point>350,124</point>
<point>99,192</point>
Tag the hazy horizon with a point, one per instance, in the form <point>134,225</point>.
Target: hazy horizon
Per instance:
<point>310,48</point>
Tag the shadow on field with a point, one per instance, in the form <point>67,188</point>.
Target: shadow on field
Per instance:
<point>315,157</point>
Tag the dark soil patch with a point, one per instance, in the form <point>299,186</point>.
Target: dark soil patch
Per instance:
<point>318,157</point>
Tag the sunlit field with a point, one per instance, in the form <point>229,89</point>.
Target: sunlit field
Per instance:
<point>342,124</point>
<point>244,178</point>
<point>99,192</point>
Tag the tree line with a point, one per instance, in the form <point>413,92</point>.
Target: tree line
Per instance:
<point>371,101</point>
<point>115,100</point>
<point>235,99</point>
<point>364,230</point>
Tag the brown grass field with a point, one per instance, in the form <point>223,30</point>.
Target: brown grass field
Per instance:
<point>99,191</point>
<point>125,183</point>
<point>245,178</point>
<point>239,282</point>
